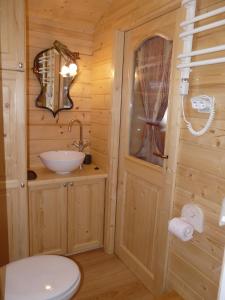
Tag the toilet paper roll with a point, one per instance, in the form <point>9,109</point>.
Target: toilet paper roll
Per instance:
<point>181,229</point>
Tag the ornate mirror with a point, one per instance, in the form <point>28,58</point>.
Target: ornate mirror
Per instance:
<point>56,70</point>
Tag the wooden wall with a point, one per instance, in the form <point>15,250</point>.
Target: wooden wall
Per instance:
<point>122,15</point>
<point>44,132</point>
<point>106,90</point>
<point>194,268</point>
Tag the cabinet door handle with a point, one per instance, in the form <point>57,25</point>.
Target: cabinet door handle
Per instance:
<point>22,184</point>
<point>71,183</point>
<point>20,65</point>
<point>65,184</point>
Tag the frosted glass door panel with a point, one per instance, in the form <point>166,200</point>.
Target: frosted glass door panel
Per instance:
<point>150,99</point>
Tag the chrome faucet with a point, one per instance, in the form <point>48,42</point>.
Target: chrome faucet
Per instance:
<point>80,145</point>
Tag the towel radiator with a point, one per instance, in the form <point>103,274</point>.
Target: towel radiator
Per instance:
<point>189,30</point>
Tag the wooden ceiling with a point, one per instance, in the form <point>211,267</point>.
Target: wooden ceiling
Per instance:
<point>70,10</point>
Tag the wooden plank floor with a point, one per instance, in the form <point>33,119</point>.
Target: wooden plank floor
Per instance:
<point>106,277</point>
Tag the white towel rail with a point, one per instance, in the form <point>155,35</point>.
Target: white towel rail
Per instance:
<point>202,63</point>
<point>185,2</point>
<point>203,28</point>
<point>190,14</point>
<point>203,51</point>
<point>188,34</point>
<point>204,16</point>
<point>188,53</point>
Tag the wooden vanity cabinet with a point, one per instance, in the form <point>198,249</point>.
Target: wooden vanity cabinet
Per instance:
<point>66,218</point>
<point>48,219</point>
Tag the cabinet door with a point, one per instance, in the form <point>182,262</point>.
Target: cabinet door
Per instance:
<point>12,105</point>
<point>12,23</point>
<point>48,219</point>
<point>14,117</point>
<point>85,215</point>
<point>17,208</point>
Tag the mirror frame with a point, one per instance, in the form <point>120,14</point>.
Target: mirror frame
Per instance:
<point>69,57</point>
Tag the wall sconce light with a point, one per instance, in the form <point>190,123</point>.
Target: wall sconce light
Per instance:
<point>69,69</point>
<point>65,72</point>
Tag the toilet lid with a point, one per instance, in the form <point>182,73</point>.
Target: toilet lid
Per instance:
<point>45,277</point>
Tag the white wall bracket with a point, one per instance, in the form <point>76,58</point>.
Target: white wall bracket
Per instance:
<point>193,215</point>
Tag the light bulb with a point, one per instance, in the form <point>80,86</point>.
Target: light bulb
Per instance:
<point>73,69</point>
<point>65,71</point>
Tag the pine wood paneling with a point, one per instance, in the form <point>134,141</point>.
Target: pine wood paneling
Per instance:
<point>106,85</point>
<point>89,11</point>
<point>201,165</point>
<point>46,133</point>
<point>195,266</point>
<point>48,21</point>
<point>193,278</point>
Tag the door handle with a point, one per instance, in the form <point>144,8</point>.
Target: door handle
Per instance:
<point>161,155</point>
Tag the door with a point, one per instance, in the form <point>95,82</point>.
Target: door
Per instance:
<point>145,179</point>
<point>48,219</point>
<point>85,215</point>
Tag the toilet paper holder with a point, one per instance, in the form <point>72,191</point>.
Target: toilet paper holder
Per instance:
<point>193,214</point>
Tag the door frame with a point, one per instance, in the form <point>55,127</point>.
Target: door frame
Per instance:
<point>114,143</point>
<point>174,116</point>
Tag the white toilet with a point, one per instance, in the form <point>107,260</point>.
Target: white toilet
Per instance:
<point>46,277</point>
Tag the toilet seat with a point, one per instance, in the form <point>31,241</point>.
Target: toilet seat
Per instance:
<point>46,277</point>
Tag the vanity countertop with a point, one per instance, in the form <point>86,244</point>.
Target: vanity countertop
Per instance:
<point>45,176</point>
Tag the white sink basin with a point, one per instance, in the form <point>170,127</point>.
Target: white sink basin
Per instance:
<point>62,162</point>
